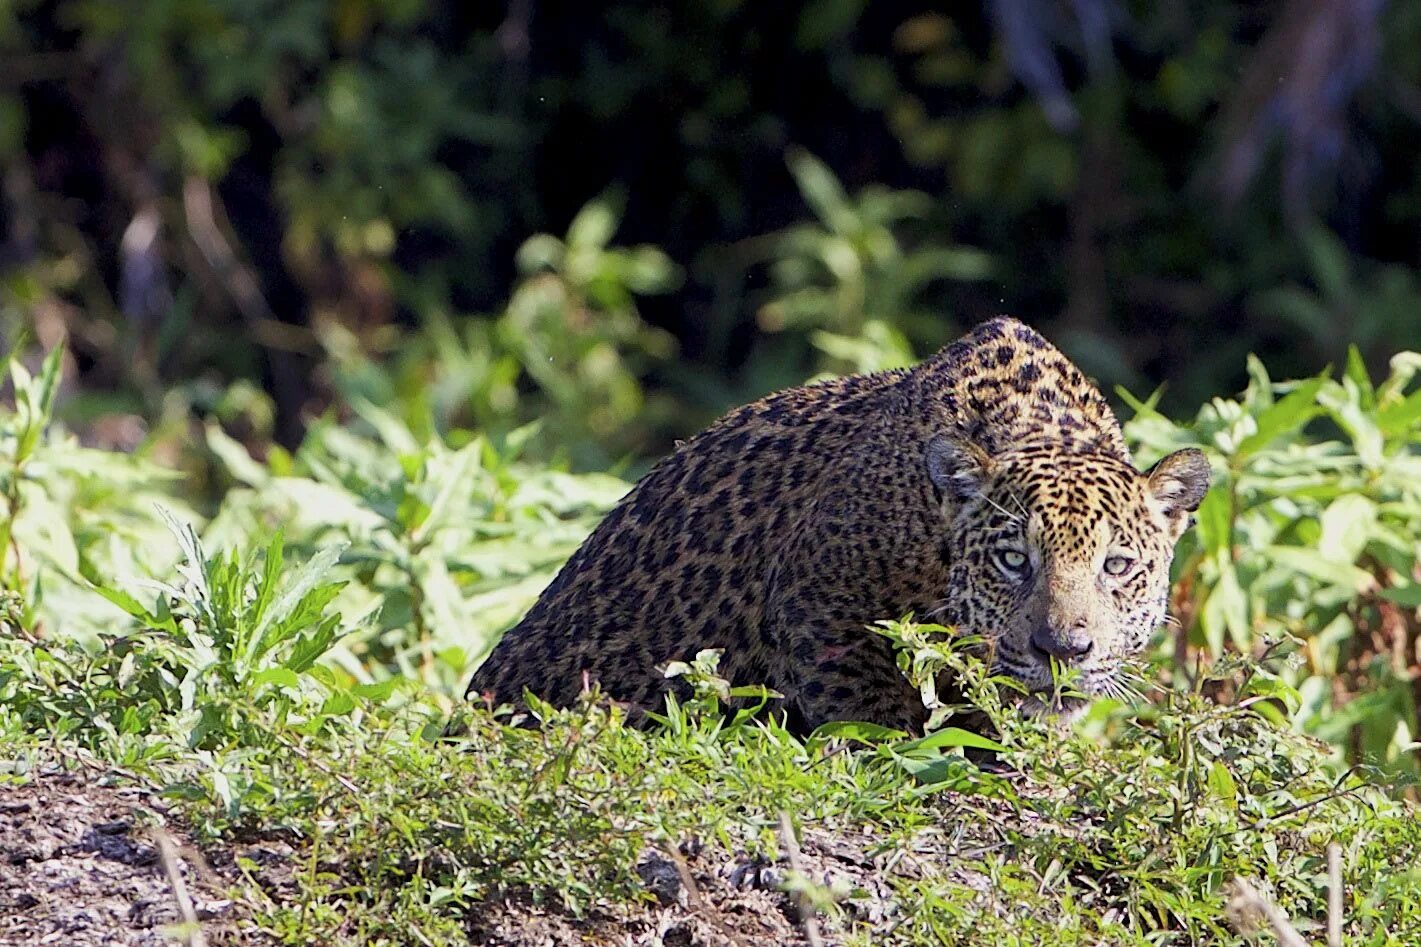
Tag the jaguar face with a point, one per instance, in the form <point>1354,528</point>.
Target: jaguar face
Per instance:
<point>1061,559</point>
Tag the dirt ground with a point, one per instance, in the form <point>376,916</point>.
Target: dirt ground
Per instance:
<point>82,863</point>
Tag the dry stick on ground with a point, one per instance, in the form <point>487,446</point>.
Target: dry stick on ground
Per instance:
<point>1334,895</point>
<point>1248,905</point>
<point>168,854</point>
<point>807,915</point>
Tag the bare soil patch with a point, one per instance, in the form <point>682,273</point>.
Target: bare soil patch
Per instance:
<point>80,865</point>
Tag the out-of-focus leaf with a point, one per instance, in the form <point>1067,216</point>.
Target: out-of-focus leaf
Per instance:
<point>1288,414</point>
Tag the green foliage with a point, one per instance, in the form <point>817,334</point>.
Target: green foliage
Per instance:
<point>446,546</point>
<point>293,667</point>
<point>71,513</point>
<point>569,350</point>
<point>1311,532</point>
<point>851,275</point>
<point>313,202</point>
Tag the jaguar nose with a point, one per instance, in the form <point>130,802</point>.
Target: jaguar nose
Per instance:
<point>1070,645</point>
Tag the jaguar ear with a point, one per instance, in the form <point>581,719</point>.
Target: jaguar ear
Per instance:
<point>956,467</point>
<point>1179,482</point>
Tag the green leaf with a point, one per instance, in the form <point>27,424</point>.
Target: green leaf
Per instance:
<point>1259,394</point>
<point>1313,563</point>
<point>1343,402</point>
<point>1289,413</point>
<point>1221,784</point>
<point>1400,416</point>
<point>457,479</point>
<point>1403,367</point>
<point>1357,373</point>
<point>234,457</point>
<point>271,577</point>
<point>594,225</point>
<point>948,737</point>
<point>309,647</point>
<point>822,192</point>
<point>280,676</point>
<point>378,692</point>
<point>1407,596</point>
<point>870,734</point>
<point>1347,525</point>
<point>300,585</point>
<point>128,603</point>
<point>952,773</point>
<point>1225,611</point>
<point>1330,263</point>
<point>1146,408</point>
<point>1266,685</point>
<point>338,704</point>
<point>1214,521</point>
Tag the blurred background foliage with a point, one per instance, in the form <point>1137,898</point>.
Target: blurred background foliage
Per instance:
<point>257,211</point>
<point>331,259</point>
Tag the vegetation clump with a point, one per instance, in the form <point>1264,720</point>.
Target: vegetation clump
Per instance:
<point>279,678</point>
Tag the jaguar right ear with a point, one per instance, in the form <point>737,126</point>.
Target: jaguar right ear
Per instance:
<point>956,467</point>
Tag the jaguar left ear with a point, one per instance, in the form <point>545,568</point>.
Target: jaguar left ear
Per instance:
<point>958,468</point>
<point>1179,482</point>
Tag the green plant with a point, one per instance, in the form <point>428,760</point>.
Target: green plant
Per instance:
<point>1311,532</point>
<point>447,545</point>
<point>855,279</point>
<point>72,513</point>
<point>569,350</point>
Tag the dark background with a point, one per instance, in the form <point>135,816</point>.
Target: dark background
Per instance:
<point>260,211</point>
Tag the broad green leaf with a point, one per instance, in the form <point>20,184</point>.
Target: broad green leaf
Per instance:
<point>301,583</point>
<point>1312,562</point>
<point>871,734</point>
<point>1330,263</point>
<point>822,192</point>
<point>457,477</point>
<point>593,227</point>
<point>310,647</point>
<point>234,457</point>
<point>338,704</point>
<point>270,580</point>
<point>1358,375</point>
<point>1347,525</point>
<point>1266,685</point>
<point>1213,521</point>
<point>952,773</point>
<point>392,431</point>
<point>1400,416</point>
<point>280,676</point>
<point>1343,403</point>
<point>1221,784</point>
<point>1289,413</point>
<point>1407,596</point>
<point>378,692</point>
<point>1225,611</point>
<point>129,604</point>
<point>948,737</point>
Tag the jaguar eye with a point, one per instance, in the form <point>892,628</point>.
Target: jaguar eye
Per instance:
<point>1117,565</point>
<point>1012,560</point>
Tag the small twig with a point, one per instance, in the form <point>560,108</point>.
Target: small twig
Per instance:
<point>1248,905</point>
<point>807,915</point>
<point>168,854</point>
<point>1334,895</point>
<point>688,881</point>
<point>321,765</point>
